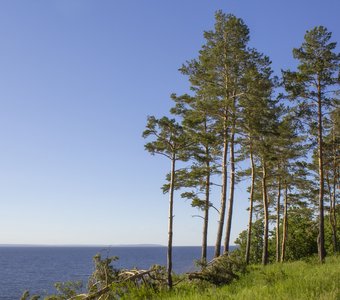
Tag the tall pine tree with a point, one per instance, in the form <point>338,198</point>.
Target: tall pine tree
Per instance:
<point>312,87</point>
<point>170,141</point>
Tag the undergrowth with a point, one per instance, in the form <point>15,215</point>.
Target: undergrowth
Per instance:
<point>299,280</point>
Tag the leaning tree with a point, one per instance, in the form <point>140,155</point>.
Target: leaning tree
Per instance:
<point>170,141</point>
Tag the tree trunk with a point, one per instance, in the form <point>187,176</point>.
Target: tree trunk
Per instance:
<point>224,190</point>
<point>232,188</point>
<point>334,222</point>
<point>278,206</point>
<point>285,224</point>
<point>321,237</point>
<point>332,214</point>
<point>206,211</point>
<point>333,200</point>
<point>170,224</point>
<point>266,216</point>
<point>250,222</point>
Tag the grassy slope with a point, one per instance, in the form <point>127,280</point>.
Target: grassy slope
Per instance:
<point>297,280</point>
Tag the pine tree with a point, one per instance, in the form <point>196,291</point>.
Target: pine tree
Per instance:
<point>252,104</point>
<point>171,142</point>
<point>266,151</point>
<point>332,170</point>
<point>311,87</point>
<point>201,129</point>
<point>220,67</point>
<point>288,150</point>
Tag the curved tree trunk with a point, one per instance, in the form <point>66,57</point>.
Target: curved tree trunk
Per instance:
<point>223,192</point>
<point>232,188</point>
<point>250,222</point>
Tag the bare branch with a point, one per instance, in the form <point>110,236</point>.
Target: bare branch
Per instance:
<point>197,216</point>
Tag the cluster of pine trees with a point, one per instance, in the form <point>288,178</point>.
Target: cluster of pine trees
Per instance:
<point>239,121</point>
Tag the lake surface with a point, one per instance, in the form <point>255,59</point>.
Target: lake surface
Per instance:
<point>37,268</point>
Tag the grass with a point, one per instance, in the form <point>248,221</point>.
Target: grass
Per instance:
<point>301,280</point>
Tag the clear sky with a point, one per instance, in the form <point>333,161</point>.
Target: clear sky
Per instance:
<point>77,81</point>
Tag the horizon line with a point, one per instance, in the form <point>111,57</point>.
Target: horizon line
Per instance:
<point>95,245</point>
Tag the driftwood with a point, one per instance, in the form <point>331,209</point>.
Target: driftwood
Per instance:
<point>125,276</point>
<point>135,274</point>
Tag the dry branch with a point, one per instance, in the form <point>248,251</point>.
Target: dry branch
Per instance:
<point>126,276</point>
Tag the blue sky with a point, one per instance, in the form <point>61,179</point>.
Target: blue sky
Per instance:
<point>77,81</point>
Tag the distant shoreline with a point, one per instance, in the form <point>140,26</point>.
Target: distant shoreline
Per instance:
<point>96,246</point>
<point>80,245</point>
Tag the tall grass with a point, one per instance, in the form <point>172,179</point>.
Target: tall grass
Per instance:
<point>305,280</point>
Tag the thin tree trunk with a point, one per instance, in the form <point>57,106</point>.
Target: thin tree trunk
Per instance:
<point>334,221</point>
<point>278,206</point>
<point>333,201</point>
<point>232,188</point>
<point>206,211</point>
<point>224,161</point>
<point>223,192</point>
<point>266,216</point>
<point>321,237</point>
<point>332,214</point>
<point>170,224</point>
<point>285,224</point>
<point>250,222</point>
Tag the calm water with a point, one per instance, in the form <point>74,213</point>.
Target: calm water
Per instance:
<point>38,268</point>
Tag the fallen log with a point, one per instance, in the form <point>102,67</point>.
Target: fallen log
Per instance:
<point>132,275</point>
